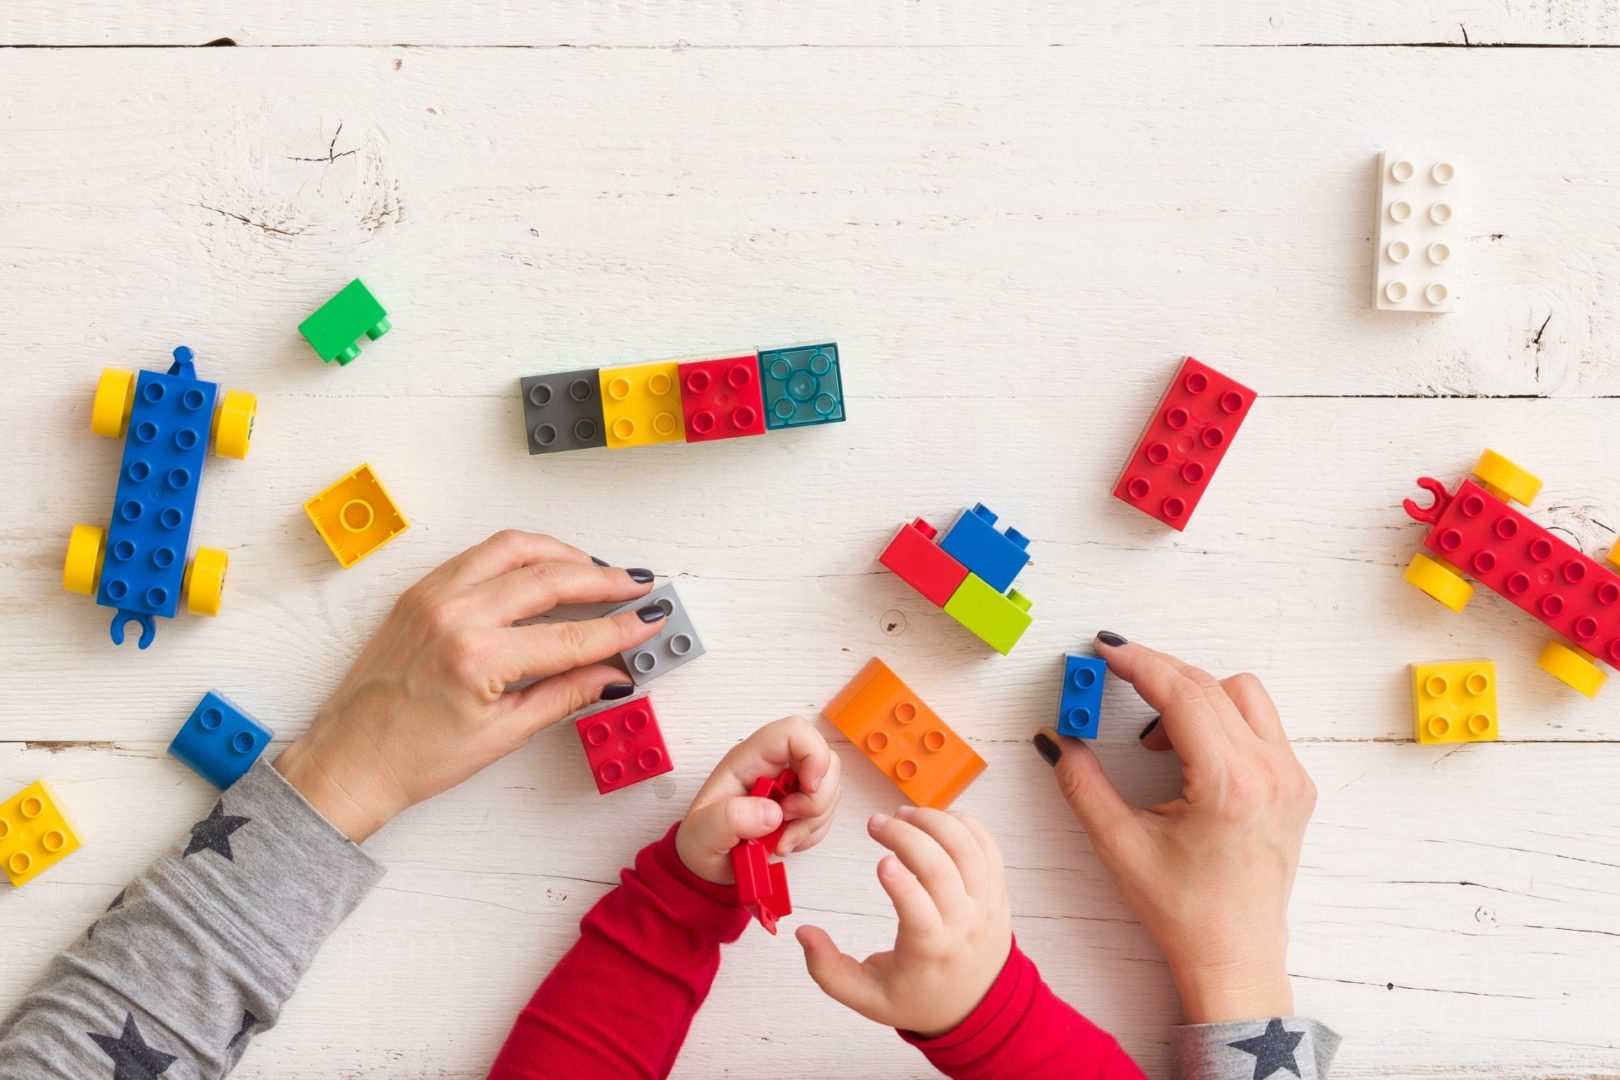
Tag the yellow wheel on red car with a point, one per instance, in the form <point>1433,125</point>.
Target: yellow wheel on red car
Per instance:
<point>233,423</point>
<point>1573,667</point>
<point>1440,581</point>
<point>115,396</point>
<point>205,581</point>
<point>1504,478</point>
<point>87,546</point>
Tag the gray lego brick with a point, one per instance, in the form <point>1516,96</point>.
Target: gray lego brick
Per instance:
<point>563,411</point>
<point>677,642</point>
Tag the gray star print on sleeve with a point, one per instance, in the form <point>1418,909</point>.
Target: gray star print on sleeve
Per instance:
<point>199,953</point>
<point>1274,1048</point>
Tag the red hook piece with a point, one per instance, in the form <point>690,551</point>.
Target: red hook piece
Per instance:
<point>1432,512</point>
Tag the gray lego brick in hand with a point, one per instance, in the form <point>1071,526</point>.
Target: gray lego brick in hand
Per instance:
<point>563,411</point>
<point>676,643</point>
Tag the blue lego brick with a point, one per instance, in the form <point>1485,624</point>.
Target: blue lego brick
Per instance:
<point>164,453</point>
<point>1080,707</point>
<point>219,740</point>
<point>801,386</point>
<point>995,557</point>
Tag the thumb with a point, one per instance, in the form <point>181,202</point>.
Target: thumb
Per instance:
<point>719,826</point>
<point>840,976</point>
<point>1105,816</point>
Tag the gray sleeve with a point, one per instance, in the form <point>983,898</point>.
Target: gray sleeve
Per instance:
<point>200,952</point>
<point>1287,1046</point>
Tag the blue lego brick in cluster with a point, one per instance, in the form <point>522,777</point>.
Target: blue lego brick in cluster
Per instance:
<point>1080,707</point>
<point>994,557</point>
<point>150,533</point>
<point>219,740</point>
<point>801,386</point>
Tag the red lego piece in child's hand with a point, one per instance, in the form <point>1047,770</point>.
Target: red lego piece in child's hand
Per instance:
<point>1184,442</point>
<point>624,745</point>
<point>762,884</point>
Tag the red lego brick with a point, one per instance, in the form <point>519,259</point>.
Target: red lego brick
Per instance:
<point>917,560</point>
<point>761,883</point>
<point>624,745</point>
<point>721,399</point>
<point>1480,534</point>
<point>1185,441</point>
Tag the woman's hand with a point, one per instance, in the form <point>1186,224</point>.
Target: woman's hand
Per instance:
<point>1207,874</point>
<point>946,880</point>
<point>426,705</point>
<point>722,814</point>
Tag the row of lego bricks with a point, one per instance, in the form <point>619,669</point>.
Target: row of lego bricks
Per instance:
<point>690,401</point>
<point>968,572</point>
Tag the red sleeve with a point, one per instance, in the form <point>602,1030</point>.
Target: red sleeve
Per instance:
<point>1022,1029</point>
<point>620,1002</point>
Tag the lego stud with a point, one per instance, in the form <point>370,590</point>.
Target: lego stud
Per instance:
<point>702,422</point>
<point>1196,382</point>
<point>659,384</point>
<point>905,712</point>
<point>928,531</point>
<point>1574,571</point>
<point>5,828</point>
<point>597,733</point>
<point>1401,171</point>
<point>192,399</point>
<point>1450,539</point>
<point>1439,727</point>
<point>1586,628</point>
<point>357,515</point>
<point>1400,211</point>
<point>585,429</point>
<point>544,434</point>
<point>1608,594</point>
<point>744,416</point>
<point>540,394</point>
<point>1436,686</point>
<point>636,721</point>
<point>1213,436</point>
<point>157,596</point>
<point>164,557</point>
<point>680,644</point>
<point>1518,584</point>
<point>645,662</point>
<point>139,472</point>
<point>1478,724</point>
<point>1083,678</point>
<point>1507,529</point>
<point>123,551</point>
<point>618,388</point>
<point>1484,562</point>
<point>907,769</point>
<point>1231,402</point>
<point>877,742</point>
<point>624,428</point>
<point>1540,549</point>
<point>1614,651</point>
<point>1079,717</point>
<point>1439,253</point>
<point>153,392</point>
<point>1176,417</point>
<point>1436,293</point>
<point>649,758</point>
<point>933,740</point>
<point>242,742</point>
<point>1395,292</point>
<point>131,510</point>
<point>1477,683</point>
<point>32,807</point>
<point>1444,172</point>
<point>53,841</point>
<point>145,431</point>
<point>117,588</point>
<point>697,382</point>
<point>1158,453</point>
<point>820,364</point>
<point>741,376</point>
<point>1193,472</point>
<point>1398,251</point>
<point>1139,488</point>
<point>1174,507</point>
<point>1552,605</point>
<point>802,386</point>
<point>178,479</point>
<point>611,772</point>
<point>19,863</point>
<point>664,422</point>
<point>580,389</point>
<point>1440,213</point>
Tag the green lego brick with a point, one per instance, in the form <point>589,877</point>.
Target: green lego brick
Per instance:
<point>337,326</point>
<point>999,620</point>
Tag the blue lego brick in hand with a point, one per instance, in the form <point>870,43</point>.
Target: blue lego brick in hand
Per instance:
<point>676,642</point>
<point>219,740</point>
<point>801,385</point>
<point>995,557</point>
<point>1080,707</point>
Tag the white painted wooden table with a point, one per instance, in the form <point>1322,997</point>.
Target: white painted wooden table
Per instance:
<point>1013,221</point>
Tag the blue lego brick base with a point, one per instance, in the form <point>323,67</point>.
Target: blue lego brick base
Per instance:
<point>801,386</point>
<point>219,740</point>
<point>1080,707</point>
<point>150,533</point>
<point>995,557</point>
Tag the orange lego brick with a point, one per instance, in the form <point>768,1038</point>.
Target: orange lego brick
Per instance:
<point>885,720</point>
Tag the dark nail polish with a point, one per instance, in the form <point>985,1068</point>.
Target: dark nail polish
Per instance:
<point>597,561</point>
<point>613,691</point>
<point>1047,748</point>
<point>640,576</point>
<point>1108,637</point>
<point>1153,723</point>
<point>650,613</point>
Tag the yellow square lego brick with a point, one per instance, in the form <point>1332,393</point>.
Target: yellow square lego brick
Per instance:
<point>1454,702</point>
<point>355,516</point>
<point>641,404</point>
<point>34,834</point>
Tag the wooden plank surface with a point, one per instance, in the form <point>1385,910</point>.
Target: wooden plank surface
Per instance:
<point>1013,246</point>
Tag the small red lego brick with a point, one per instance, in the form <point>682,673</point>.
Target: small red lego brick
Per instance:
<point>917,560</point>
<point>1184,443</point>
<point>624,745</point>
<point>761,883</point>
<point>721,399</point>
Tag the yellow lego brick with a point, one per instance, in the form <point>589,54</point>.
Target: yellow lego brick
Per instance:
<point>641,404</point>
<point>1454,702</point>
<point>355,516</point>
<point>34,834</point>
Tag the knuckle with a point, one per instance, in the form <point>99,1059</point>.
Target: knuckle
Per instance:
<point>572,638</point>
<point>466,655</point>
<point>1246,681</point>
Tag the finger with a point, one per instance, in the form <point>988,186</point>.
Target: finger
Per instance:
<point>1254,704</point>
<point>1155,736</point>
<point>993,863</point>
<point>541,704</point>
<point>917,911</point>
<point>535,588</point>
<point>536,650</point>
<point>815,836</point>
<point>1107,818</point>
<point>719,826</point>
<point>1182,696</point>
<point>841,977</point>
<point>957,840</point>
<point>506,551</point>
<point>810,816</point>
<point>923,856</point>
<point>791,742</point>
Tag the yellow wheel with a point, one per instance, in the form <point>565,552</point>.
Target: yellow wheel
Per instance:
<point>1506,480</point>
<point>205,581</point>
<point>87,546</point>
<point>1572,666</point>
<point>1614,553</point>
<point>115,396</point>
<point>1439,581</point>
<point>233,423</point>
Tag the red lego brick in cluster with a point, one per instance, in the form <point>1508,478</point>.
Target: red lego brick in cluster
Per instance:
<point>624,745</point>
<point>761,883</point>
<point>915,559</point>
<point>721,399</point>
<point>1184,443</point>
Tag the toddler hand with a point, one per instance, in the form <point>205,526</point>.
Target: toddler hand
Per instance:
<point>722,814</point>
<point>1207,874</point>
<point>426,705</point>
<point>955,934</point>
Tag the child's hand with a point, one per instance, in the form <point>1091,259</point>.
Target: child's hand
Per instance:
<point>1209,873</point>
<point>955,926</point>
<point>426,703</point>
<point>722,814</point>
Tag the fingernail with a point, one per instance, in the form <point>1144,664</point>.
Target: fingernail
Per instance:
<point>639,575</point>
<point>1047,748</point>
<point>770,815</point>
<point>879,820</point>
<point>1153,723</point>
<point>650,613</point>
<point>613,691</point>
<point>599,562</point>
<point>904,813</point>
<point>1108,637</point>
